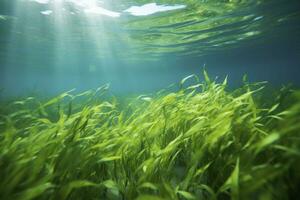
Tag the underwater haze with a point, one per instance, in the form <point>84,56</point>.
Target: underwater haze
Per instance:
<point>51,46</point>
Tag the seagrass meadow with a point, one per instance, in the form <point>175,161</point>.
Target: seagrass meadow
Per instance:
<point>198,141</point>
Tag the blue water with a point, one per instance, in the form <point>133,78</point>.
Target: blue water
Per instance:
<point>50,46</point>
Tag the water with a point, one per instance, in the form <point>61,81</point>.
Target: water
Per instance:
<point>206,137</point>
<point>138,46</point>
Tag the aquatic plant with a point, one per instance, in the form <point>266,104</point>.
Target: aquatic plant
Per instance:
<point>201,142</point>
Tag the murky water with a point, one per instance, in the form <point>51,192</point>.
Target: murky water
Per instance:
<point>49,46</point>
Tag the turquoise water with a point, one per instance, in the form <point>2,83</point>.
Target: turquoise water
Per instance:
<point>50,46</point>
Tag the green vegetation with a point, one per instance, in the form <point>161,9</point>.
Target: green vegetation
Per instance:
<point>201,142</point>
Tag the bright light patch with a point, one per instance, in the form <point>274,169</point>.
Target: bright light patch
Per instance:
<point>80,3</point>
<point>41,1</point>
<point>101,11</point>
<point>258,18</point>
<point>46,12</point>
<point>151,8</point>
<point>88,6</point>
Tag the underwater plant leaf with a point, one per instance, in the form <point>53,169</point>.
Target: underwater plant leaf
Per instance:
<point>206,77</point>
<point>111,158</point>
<point>245,79</point>
<point>110,184</point>
<point>288,150</point>
<point>200,85</point>
<point>66,190</point>
<point>188,78</point>
<point>186,195</point>
<point>32,193</point>
<point>202,169</point>
<point>148,99</point>
<point>232,182</point>
<point>273,108</point>
<point>270,139</point>
<point>209,190</point>
<point>225,81</point>
<point>150,197</point>
<point>148,185</point>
